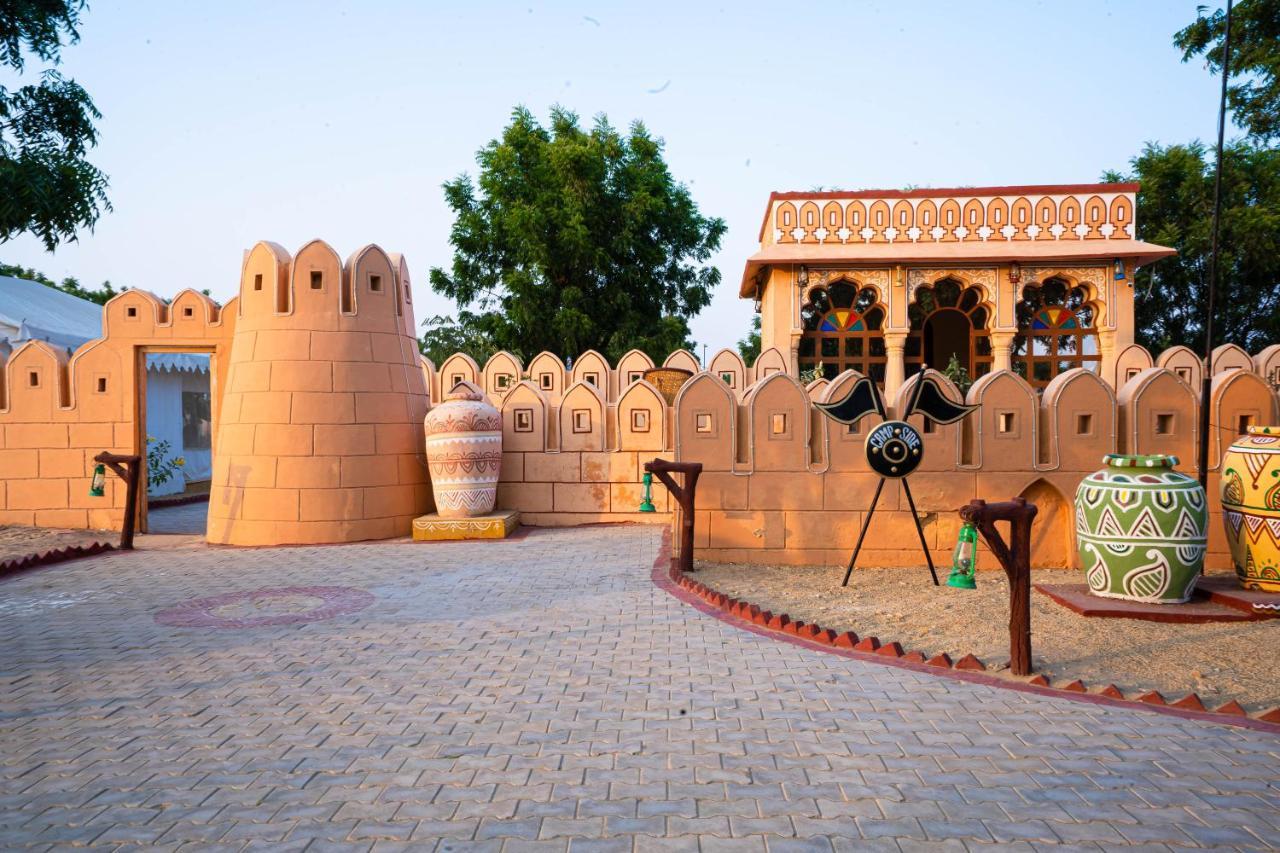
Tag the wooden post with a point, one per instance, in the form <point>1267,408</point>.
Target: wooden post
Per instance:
<point>662,469</point>
<point>127,468</point>
<point>1016,562</point>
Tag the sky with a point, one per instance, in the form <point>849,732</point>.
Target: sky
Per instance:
<point>228,123</point>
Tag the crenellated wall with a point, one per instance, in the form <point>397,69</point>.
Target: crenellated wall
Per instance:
<point>317,394</point>
<point>57,411</point>
<point>321,436</point>
<point>782,483</point>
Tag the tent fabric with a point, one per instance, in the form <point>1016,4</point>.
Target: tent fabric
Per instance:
<point>178,362</point>
<point>31,311</point>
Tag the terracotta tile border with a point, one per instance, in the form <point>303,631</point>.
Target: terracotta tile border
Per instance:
<point>48,558</point>
<point>667,576</point>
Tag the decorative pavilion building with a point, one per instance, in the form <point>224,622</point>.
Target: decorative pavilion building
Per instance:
<point>1036,279</point>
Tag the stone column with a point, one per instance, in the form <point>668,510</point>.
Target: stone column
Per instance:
<point>895,369</point>
<point>1002,350</point>
<point>1107,349</point>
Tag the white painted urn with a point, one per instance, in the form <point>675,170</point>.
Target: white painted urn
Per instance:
<point>464,452</point>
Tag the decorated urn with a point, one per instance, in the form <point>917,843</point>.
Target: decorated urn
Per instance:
<point>464,452</point>
<point>1141,529</point>
<point>1251,507</point>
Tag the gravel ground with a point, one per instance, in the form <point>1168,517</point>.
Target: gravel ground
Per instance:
<point>17,541</point>
<point>1219,661</point>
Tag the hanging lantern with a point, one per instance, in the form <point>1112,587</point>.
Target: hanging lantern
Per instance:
<point>962,561</point>
<point>98,487</point>
<point>1118,266</point>
<point>1015,272</point>
<point>646,503</point>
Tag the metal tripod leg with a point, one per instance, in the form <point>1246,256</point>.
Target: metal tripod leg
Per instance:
<point>920,530</point>
<point>866,522</point>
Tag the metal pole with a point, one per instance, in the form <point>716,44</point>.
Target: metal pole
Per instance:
<point>1206,381</point>
<point>862,534</point>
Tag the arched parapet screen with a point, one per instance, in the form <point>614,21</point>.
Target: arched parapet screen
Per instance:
<point>843,330</point>
<point>1056,332</point>
<point>949,318</point>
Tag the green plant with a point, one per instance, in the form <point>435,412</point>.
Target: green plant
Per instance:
<point>160,467</point>
<point>574,238</point>
<point>47,186</point>
<point>815,372</point>
<point>957,374</point>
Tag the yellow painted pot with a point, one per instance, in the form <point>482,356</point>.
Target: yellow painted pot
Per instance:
<point>1251,507</point>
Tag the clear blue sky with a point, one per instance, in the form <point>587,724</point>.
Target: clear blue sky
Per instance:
<point>226,123</point>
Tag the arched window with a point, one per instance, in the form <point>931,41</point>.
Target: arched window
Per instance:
<point>948,319</point>
<point>843,330</point>
<point>1055,332</point>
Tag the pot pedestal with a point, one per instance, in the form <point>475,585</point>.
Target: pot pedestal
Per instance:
<point>495,525</point>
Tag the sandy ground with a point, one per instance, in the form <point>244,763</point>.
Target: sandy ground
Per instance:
<point>1219,661</point>
<point>18,541</point>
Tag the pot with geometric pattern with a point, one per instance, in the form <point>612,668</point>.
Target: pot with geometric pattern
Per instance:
<point>1251,507</point>
<point>1141,529</point>
<point>464,452</point>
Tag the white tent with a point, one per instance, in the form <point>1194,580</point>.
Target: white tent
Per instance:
<point>31,311</point>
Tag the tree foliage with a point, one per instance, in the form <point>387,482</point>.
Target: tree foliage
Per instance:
<point>1254,97</point>
<point>47,187</point>
<point>574,239</point>
<point>1175,209</point>
<point>749,347</point>
<point>443,336</point>
<point>70,285</point>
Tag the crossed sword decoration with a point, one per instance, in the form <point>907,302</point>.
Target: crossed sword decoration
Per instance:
<point>894,449</point>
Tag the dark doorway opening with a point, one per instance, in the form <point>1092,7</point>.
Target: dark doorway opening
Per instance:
<point>946,334</point>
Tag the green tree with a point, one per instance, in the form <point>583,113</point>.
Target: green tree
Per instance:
<point>68,285</point>
<point>443,336</point>
<point>749,347</point>
<point>574,239</point>
<point>1175,209</point>
<point>1255,61</point>
<point>47,187</point>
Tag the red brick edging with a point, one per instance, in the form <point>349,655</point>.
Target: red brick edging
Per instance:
<point>57,555</point>
<point>666,575</point>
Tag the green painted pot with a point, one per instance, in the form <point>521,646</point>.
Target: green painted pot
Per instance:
<point>1141,529</point>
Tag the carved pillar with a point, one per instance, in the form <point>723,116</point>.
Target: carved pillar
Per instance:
<point>1107,349</point>
<point>895,369</point>
<point>1002,350</point>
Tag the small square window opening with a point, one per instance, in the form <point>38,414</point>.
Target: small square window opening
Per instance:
<point>317,280</point>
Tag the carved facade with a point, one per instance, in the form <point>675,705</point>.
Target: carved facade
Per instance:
<point>1037,280</point>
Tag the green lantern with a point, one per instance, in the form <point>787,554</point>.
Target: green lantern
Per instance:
<point>98,487</point>
<point>962,561</point>
<point>646,504</point>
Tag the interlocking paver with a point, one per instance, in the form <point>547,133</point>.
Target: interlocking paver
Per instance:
<point>542,694</point>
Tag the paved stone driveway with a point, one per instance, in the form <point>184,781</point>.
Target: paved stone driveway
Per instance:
<point>541,694</point>
<point>190,518</point>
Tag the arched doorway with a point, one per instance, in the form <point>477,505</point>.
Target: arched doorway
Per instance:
<point>948,319</point>
<point>946,336</point>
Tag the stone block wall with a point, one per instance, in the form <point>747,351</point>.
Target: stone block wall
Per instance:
<point>58,411</point>
<point>784,484</point>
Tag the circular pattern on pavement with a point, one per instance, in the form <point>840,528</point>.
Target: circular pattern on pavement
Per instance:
<point>260,608</point>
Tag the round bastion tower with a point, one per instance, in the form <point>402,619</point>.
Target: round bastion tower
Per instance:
<point>319,434</point>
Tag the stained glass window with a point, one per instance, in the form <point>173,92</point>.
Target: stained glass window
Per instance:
<point>843,330</point>
<point>1055,332</point>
